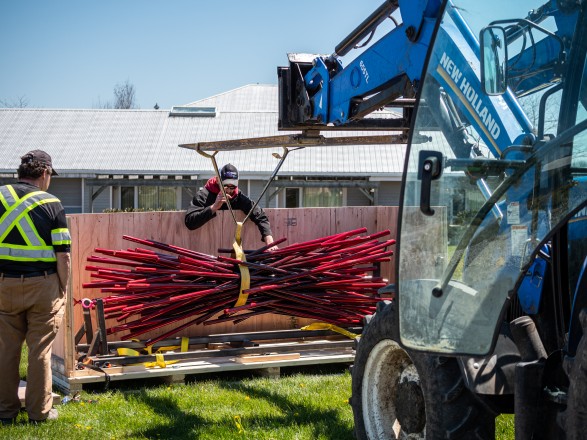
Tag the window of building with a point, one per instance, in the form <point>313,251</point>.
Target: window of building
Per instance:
<point>148,198</point>
<point>157,198</point>
<point>127,197</point>
<point>292,198</point>
<point>322,197</point>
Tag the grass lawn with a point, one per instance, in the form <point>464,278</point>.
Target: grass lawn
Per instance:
<point>304,404</point>
<point>296,406</point>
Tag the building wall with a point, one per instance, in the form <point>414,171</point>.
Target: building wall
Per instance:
<point>188,193</point>
<point>253,189</point>
<point>69,191</point>
<point>103,201</point>
<point>355,197</point>
<point>389,193</point>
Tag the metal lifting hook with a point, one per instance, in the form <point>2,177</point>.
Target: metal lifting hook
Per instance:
<point>212,157</point>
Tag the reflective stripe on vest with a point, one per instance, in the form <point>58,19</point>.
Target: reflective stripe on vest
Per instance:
<point>17,216</point>
<point>60,236</point>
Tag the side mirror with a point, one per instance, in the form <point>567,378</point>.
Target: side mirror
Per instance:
<point>494,57</point>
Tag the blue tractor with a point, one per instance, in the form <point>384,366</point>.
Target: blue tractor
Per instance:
<point>490,307</point>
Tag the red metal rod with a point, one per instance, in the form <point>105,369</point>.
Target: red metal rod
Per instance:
<point>252,305</point>
<point>325,279</point>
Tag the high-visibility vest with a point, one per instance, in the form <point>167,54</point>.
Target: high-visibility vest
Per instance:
<point>17,216</point>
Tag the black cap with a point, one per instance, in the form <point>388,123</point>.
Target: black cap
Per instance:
<point>229,175</point>
<point>41,157</point>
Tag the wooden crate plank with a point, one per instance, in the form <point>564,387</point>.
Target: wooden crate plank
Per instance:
<point>246,359</point>
<point>386,218</point>
<point>216,365</point>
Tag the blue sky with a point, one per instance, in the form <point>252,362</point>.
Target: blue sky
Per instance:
<point>71,54</point>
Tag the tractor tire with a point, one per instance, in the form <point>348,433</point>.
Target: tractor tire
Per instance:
<point>399,394</point>
<point>574,420</point>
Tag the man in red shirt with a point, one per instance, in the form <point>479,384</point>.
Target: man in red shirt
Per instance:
<point>210,199</point>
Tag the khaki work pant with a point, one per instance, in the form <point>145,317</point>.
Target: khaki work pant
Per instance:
<point>31,310</point>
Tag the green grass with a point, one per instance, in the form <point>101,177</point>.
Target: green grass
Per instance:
<point>296,406</point>
<point>308,403</point>
<point>504,427</point>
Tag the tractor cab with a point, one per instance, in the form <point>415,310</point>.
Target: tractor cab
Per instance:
<point>496,200</point>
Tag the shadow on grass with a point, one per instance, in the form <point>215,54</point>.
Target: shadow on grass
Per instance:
<point>324,423</point>
<point>180,424</point>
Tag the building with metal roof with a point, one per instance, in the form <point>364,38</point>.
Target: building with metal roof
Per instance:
<point>129,159</point>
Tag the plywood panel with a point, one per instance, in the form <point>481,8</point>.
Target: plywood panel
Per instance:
<point>386,218</point>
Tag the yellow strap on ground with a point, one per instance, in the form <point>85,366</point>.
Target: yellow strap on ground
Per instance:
<point>159,362</point>
<point>159,359</point>
<point>239,425</point>
<point>166,348</point>
<point>334,328</point>
<point>185,343</point>
<point>127,352</point>
<point>245,275</point>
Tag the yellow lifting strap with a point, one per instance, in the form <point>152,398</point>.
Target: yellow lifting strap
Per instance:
<point>159,362</point>
<point>245,275</point>
<point>237,245</point>
<point>185,344</point>
<point>334,328</point>
<point>159,358</point>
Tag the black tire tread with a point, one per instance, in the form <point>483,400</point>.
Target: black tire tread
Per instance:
<point>452,411</point>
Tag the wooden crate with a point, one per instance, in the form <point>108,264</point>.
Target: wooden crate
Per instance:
<point>91,231</point>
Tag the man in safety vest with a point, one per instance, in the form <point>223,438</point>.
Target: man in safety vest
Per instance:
<point>34,273</point>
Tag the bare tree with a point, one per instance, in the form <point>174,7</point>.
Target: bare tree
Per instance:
<point>19,102</point>
<point>124,95</point>
<point>100,104</point>
<point>531,106</point>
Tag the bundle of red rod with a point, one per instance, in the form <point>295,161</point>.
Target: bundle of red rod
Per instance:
<point>327,279</point>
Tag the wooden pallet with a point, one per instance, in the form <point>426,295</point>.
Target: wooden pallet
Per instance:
<point>239,352</point>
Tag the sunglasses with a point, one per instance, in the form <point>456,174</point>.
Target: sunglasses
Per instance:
<point>229,186</point>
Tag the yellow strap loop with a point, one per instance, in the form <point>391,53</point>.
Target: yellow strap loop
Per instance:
<point>159,359</point>
<point>127,352</point>
<point>185,343</point>
<point>334,328</point>
<point>244,270</point>
<point>159,362</point>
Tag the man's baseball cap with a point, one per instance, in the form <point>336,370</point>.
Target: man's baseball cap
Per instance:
<point>229,175</point>
<point>41,157</point>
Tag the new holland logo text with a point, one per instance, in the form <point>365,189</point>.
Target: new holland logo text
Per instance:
<point>461,82</point>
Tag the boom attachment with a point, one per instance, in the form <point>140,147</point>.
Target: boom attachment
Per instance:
<point>308,138</point>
